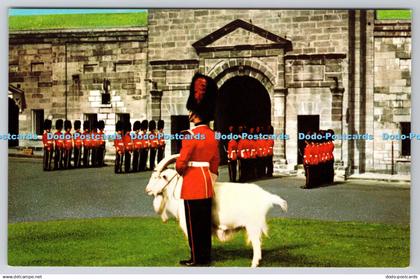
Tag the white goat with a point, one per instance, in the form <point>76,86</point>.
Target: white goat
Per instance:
<point>235,205</point>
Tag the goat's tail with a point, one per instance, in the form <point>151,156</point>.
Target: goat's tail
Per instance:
<point>279,201</point>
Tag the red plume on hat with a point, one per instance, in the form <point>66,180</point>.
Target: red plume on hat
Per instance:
<point>202,98</point>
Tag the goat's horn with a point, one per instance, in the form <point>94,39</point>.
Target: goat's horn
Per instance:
<point>166,162</point>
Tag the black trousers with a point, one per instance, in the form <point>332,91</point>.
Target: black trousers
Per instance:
<point>58,159</point>
<point>152,158</point>
<point>77,157</point>
<point>232,170</point>
<point>86,156</point>
<point>270,166</point>
<point>127,161</point>
<point>243,170</point>
<point>94,158</point>
<point>309,173</point>
<point>143,159</point>
<point>136,160</point>
<point>67,158</point>
<point>119,159</point>
<point>100,156</point>
<point>160,154</point>
<point>48,155</point>
<point>198,217</point>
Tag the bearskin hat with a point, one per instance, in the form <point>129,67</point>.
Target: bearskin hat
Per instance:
<point>47,124</point>
<point>101,125</point>
<point>119,126</point>
<point>152,125</point>
<point>161,124</point>
<point>144,125</point>
<point>67,124</point>
<point>86,125</point>
<point>136,126</point>
<point>202,98</point>
<point>77,124</point>
<point>59,124</point>
<point>127,127</point>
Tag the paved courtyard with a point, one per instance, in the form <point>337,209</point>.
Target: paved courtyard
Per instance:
<point>35,195</point>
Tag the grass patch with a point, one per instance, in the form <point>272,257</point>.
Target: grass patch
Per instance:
<point>69,21</point>
<point>393,14</point>
<point>148,242</point>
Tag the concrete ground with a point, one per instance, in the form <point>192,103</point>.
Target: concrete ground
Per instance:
<point>35,195</point>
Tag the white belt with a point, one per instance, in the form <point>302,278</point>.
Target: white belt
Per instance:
<point>198,164</point>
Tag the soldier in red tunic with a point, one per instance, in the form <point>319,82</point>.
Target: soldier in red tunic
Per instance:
<point>119,147</point>
<point>86,144</point>
<point>232,155</point>
<point>330,163</point>
<point>307,162</point>
<point>94,144</point>
<point>128,147</point>
<point>68,144</point>
<point>78,143</point>
<point>153,144</point>
<point>161,141</point>
<point>48,144</point>
<point>137,144</point>
<point>58,145</point>
<point>144,145</point>
<point>100,148</point>
<point>198,164</point>
<point>243,156</point>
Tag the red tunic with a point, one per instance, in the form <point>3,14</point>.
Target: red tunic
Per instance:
<point>232,150</point>
<point>153,140</point>
<point>59,143</point>
<point>119,144</point>
<point>78,142</point>
<point>87,139</point>
<point>253,147</point>
<point>128,144</point>
<point>144,141</point>
<point>198,157</point>
<point>270,146</point>
<point>48,143</point>
<point>161,140</point>
<point>243,152</point>
<point>68,141</point>
<point>94,142</point>
<point>101,138</point>
<point>137,142</point>
<point>315,154</point>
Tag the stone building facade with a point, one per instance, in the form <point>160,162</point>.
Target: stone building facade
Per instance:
<point>328,69</point>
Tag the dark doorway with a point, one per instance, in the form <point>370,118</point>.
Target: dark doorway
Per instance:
<point>178,124</point>
<point>13,121</point>
<point>242,100</point>
<point>306,124</point>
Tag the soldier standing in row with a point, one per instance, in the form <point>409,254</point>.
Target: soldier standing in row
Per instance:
<point>59,145</point>
<point>261,153</point>
<point>78,143</point>
<point>153,143</point>
<point>119,148</point>
<point>48,145</point>
<point>86,144</point>
<point>94,143</point>
<point>101,144</point>
<point>243,156</point>
<point>68,144</point>
<point>232,155</point>
<point>136,147</point>
<point>144,145</point>
<point>128,146</point>
<point>161,141</point>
